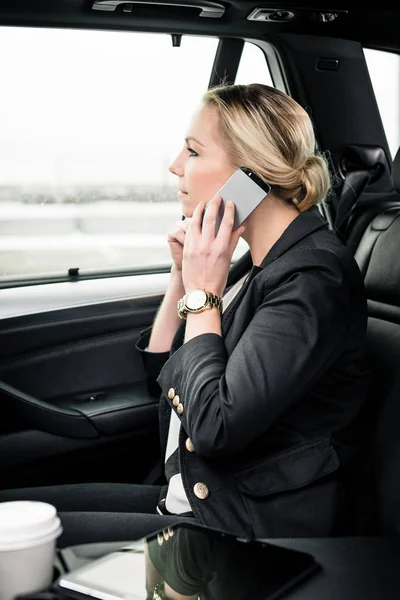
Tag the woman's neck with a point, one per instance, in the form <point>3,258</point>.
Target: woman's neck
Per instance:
<point>266,225</point>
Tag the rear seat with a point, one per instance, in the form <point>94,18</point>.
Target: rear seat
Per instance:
<point>378,256</point>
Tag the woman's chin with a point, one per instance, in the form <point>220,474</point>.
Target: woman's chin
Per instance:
<point>187,211</point>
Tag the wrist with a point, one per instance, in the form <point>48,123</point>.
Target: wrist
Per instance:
<point>210,311</point>
<point>208,321</point>
<point>176,278</point>
<point>175,272</point>
<point>207,288</point>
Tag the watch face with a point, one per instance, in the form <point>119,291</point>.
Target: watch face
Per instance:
<point>196,299</point>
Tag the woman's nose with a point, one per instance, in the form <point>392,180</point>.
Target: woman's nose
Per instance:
<point>176,167</point>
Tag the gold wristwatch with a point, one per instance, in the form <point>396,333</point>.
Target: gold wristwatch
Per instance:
<point>197,301</point>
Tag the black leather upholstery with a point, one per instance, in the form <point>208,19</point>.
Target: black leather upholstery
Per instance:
<point>361,165</point>
<point>378,256</point>
<point>384,350</point>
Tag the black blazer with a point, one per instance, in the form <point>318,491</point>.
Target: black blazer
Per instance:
<point>270,406</point>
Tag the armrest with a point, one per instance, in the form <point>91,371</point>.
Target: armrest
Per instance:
<point>43,416</point>
<point>109,413</point>
<point>121,410</point>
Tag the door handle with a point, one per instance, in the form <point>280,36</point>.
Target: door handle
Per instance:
<point>207,8</point>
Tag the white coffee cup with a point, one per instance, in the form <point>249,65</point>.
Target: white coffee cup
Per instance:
<point>28,533</point>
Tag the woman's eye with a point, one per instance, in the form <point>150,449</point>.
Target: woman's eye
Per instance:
<point>192,152</point>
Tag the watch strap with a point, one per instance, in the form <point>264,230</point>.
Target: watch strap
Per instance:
<point>212,301</point>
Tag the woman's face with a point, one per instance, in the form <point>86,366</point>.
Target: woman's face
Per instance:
<point>203,165</point>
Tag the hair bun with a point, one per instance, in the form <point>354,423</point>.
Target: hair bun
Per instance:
<point>314,182</point>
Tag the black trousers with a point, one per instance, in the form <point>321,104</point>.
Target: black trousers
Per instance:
<point>100,512</point>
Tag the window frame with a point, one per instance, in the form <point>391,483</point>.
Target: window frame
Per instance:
<point>227,61</point>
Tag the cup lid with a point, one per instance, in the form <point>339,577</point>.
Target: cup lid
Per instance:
<point>23,522</point>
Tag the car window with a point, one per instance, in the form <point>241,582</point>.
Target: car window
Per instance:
<point>253,66</point>
<point>90,121</point>
<point>384,71</point>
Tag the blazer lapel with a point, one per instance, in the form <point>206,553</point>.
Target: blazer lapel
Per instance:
<point>227,315</point>
<point>305,224</point>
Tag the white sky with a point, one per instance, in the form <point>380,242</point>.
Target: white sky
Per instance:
<point>99,106</point>
<point>94,106</point>
<point>113,107</point>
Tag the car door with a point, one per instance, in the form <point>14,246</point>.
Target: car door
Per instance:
<point>86,203</point>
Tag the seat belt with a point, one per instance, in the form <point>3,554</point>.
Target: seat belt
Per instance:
<point>360,166</point>
<point>156,474</point>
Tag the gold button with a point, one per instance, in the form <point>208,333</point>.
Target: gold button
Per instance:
<point>189,445</point>
<point>170,531</point>
<point>160,539</point>
<point>201,491</point>
<point>176,401</point>
<point>166,535</point>
<point>171,393</point>
<point>179,409</point>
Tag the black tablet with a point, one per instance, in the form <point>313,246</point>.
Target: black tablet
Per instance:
<point>190,562</point>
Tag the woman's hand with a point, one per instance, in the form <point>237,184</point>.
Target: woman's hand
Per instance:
<point>206,256</point>
<point>176,241</point>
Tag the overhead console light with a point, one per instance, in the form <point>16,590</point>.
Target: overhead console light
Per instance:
<point>281,15</point>
<point>212,10</point>
<point>270,14</point>
<point>328,17</point>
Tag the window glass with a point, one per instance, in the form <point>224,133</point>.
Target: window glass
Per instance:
<point>384,71</point>
<point>90,121</point>
<point>253,66</point>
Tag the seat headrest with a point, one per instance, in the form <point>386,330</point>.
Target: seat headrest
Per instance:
<point>396,171</point>
<point>377,256</point>
<point>371,158</point>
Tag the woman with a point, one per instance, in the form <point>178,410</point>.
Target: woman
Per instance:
<point>258,401</point>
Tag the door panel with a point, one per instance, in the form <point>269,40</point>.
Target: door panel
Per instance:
<point>73,394</point>
<point>34,458</point>
<point>87,364</point>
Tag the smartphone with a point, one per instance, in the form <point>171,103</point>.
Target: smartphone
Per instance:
<point>192,561</point>
<point>246,190</point>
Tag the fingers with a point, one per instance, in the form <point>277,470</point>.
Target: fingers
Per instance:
<point>209,220</point>
<point>235,236</point>
<point>184,225</point>
<point>203,222</point>
<point>226,227</point>
<point>195,225</point>
<point>178,233</point>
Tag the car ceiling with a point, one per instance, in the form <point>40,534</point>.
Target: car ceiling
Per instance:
<point>373,27</point>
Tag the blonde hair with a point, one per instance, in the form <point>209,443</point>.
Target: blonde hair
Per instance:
<point>269,132</point>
